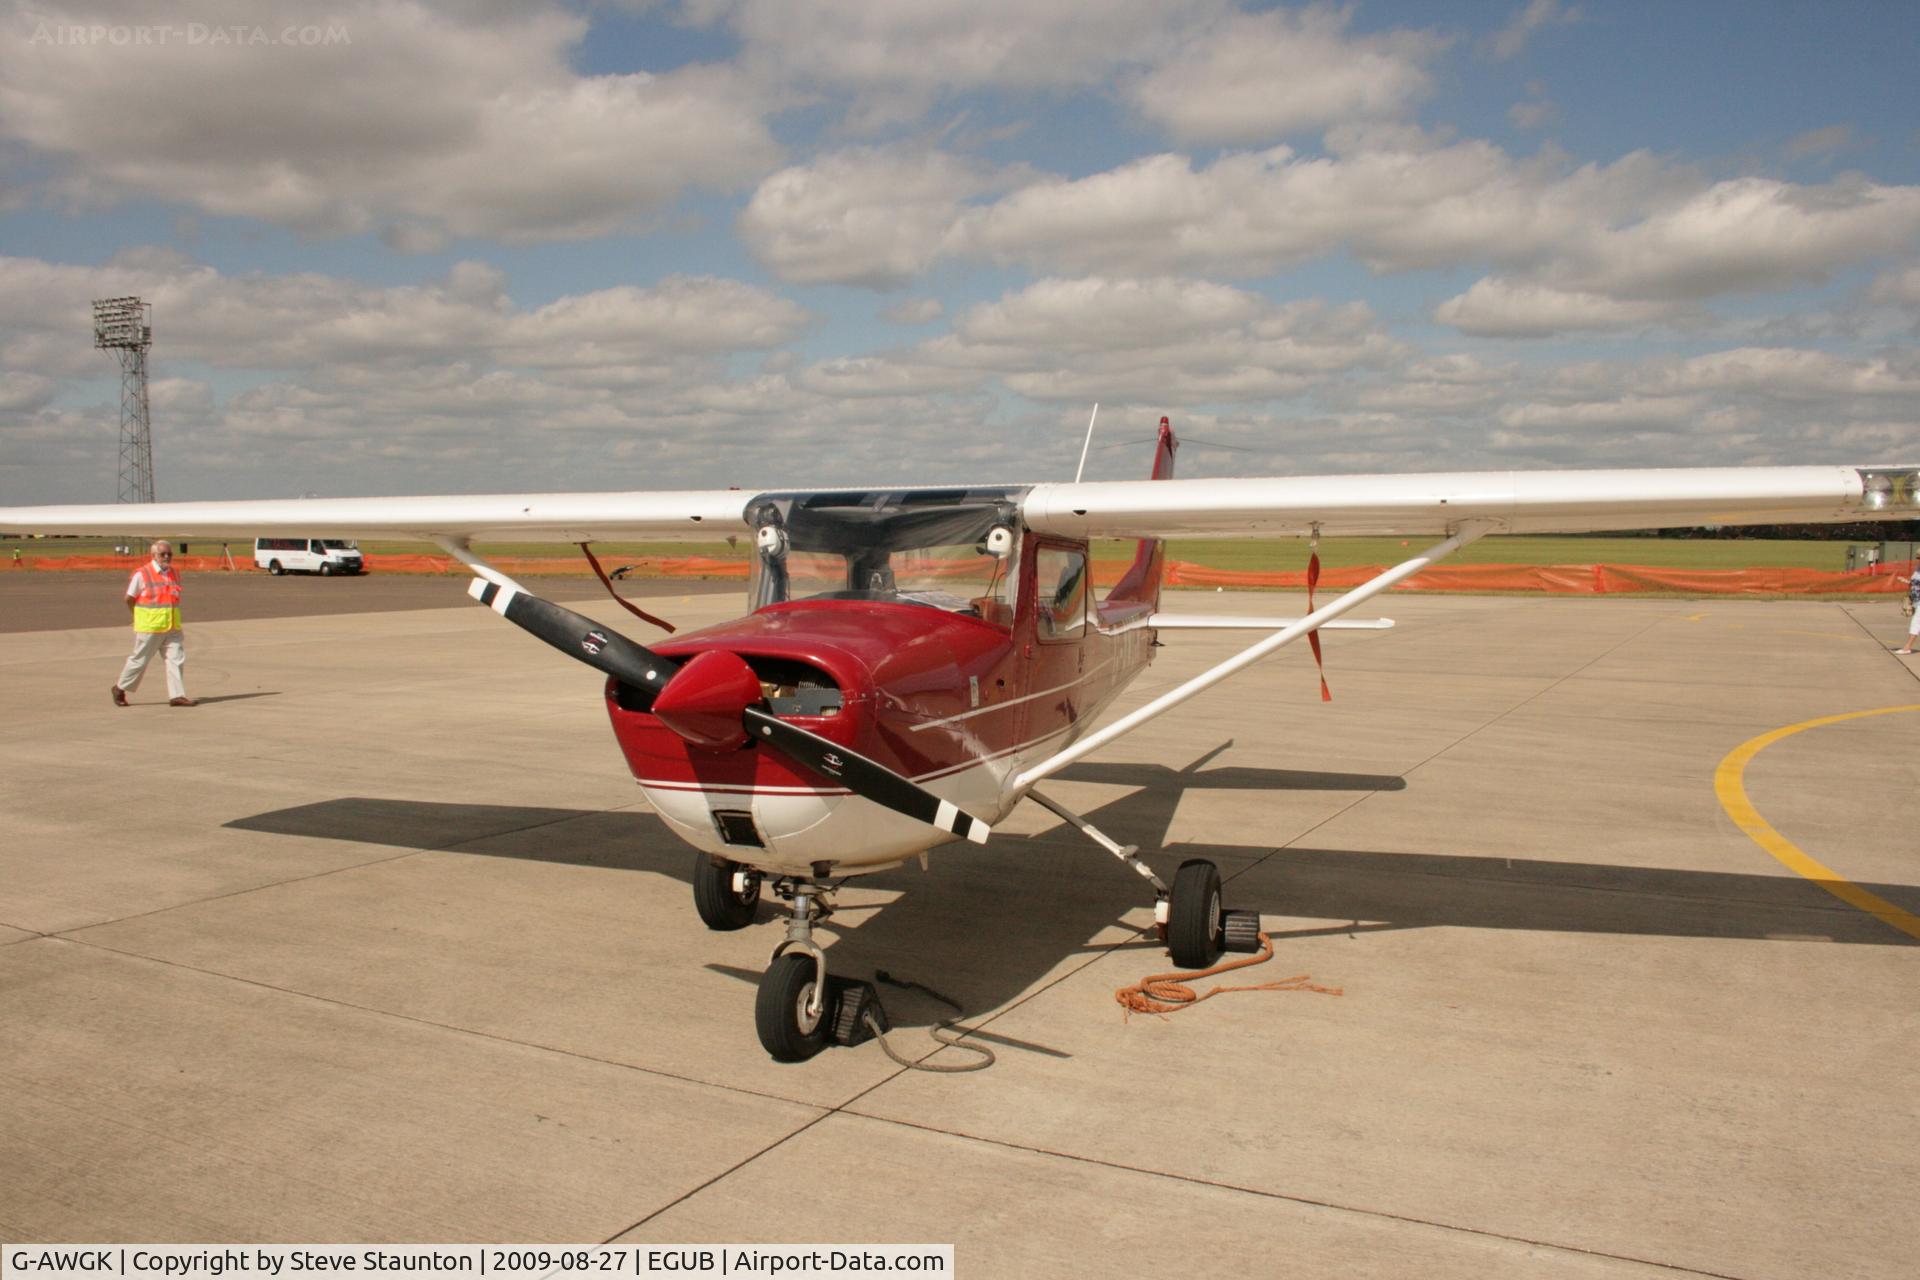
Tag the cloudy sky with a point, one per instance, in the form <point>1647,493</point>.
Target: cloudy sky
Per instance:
<point>456,247</point>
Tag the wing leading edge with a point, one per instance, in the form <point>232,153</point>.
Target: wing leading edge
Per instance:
<point>1352,505</point>
<point>694,515</point>
<point>1514,501</point>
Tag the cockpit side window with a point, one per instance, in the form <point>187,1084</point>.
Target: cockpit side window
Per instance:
<point>1060,578</point>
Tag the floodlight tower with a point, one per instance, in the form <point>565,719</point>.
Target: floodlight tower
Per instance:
<point>120,325</point>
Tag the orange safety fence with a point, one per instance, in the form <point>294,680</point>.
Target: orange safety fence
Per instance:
<point>124,564</point>
<point>1559,579</point>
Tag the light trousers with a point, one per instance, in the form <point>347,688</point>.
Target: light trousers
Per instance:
<point>145,645</point>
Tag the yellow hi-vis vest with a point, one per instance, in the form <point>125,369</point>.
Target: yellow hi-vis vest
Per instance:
<point>156,598</point>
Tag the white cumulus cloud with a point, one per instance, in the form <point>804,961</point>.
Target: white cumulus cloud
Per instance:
<point>1501,308</point>
<point>1165,340</point>
<point>894,60</point>
<point>421,122</point>
<point>1260,76</point>
<point>869,216</point>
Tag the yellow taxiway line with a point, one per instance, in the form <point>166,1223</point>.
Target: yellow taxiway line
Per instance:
<point>1730,786</point>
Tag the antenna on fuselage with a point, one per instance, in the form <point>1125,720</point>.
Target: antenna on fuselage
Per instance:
<point>1078,471</point>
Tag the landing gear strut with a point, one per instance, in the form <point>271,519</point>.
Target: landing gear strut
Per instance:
<point>1194,924</point>
<point>801,1008</point>
<point>790,1013</point>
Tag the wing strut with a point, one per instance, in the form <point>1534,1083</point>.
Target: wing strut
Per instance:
<point>1469,531</point>
<point>462,550</point>
<point>1128,853</point>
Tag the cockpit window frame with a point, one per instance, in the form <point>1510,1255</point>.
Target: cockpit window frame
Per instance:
<point>868,527</point>
<point>1051,626</point>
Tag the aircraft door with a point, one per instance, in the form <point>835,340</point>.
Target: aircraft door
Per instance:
<point>1061,586</point>
<point>1062,580</point>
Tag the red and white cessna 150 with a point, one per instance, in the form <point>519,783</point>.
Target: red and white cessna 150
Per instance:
<point>915,661</point>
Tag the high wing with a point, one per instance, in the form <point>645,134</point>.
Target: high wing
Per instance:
<point>691,515</point>
<point>1509,501</point>
<point>1335,506</point>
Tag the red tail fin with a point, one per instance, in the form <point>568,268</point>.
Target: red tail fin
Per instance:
<point>1141,582</point>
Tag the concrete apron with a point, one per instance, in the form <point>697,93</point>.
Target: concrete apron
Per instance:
<point>379,943</point>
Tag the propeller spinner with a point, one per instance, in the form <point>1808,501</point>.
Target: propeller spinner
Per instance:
<point>714,701</point>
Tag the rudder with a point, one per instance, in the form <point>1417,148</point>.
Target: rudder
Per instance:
<point>1140,584</point>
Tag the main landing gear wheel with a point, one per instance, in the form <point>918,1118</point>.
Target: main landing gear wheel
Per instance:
<point>1194,925</point>
<point>720,905</point>
<point>780,1015</point>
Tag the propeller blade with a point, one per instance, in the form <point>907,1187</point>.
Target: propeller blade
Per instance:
<point>577,636</point>
<point>1313,637</point>
<point>864,777</point>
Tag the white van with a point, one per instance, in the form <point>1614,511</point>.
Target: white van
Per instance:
<point>306,555</point>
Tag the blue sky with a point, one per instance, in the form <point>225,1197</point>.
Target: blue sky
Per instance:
<point>425,247</point>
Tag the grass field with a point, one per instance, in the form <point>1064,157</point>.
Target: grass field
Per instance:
<point>1275,554</point>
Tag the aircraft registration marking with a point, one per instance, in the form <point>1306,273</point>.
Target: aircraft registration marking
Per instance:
<point>1728,784</point>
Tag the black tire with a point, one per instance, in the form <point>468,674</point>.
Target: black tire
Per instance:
<point>273,567</point>
<point>1194,931</point>
<point>779,1014</point>
<point>326,570</point>
<point>713,896</point>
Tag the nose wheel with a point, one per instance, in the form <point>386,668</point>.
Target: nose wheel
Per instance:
<point>790,1011</point>
<point>801,1008</point>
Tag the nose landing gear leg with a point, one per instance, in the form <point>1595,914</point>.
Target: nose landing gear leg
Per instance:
<point>790,1012</point>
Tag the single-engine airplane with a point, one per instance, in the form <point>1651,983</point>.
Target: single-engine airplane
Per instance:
<point>916,660</point>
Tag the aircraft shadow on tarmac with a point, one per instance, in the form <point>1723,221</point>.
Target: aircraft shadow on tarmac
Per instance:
<point>994,920</point>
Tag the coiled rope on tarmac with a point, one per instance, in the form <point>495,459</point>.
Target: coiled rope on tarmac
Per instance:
<point>1164,993</point>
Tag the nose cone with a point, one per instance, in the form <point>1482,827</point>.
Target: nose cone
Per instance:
<point>705,699</point>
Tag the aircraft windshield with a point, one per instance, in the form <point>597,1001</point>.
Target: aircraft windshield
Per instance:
<point>949,549</point>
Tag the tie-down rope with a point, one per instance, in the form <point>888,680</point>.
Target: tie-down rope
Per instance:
<point>1165,993</point>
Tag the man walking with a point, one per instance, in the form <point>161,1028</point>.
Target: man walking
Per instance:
<point>1912,610</point>
<point>153,596</point>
